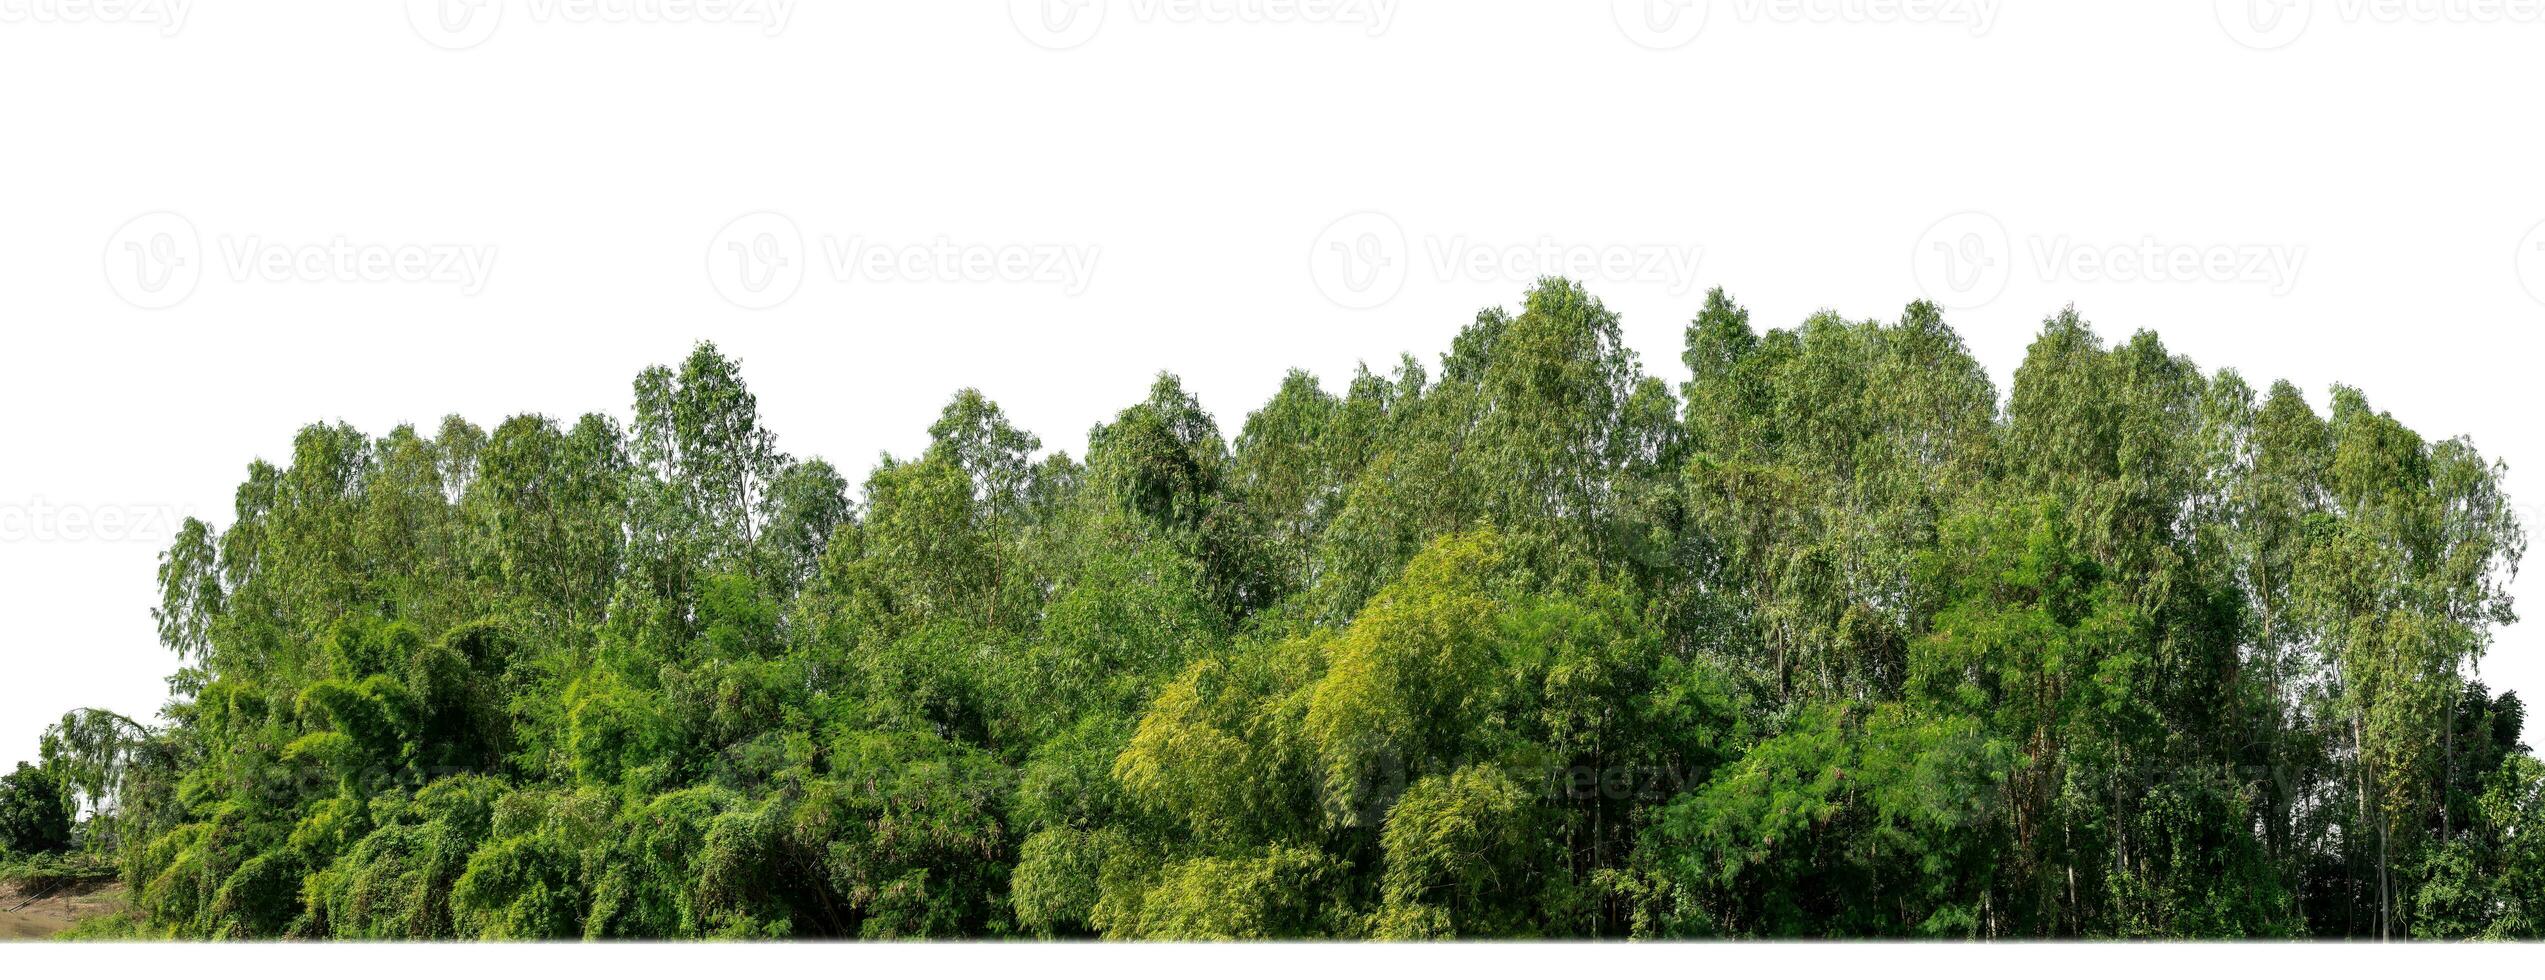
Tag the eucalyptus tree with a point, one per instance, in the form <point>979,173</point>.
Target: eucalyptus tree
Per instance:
<point>1819,638</point>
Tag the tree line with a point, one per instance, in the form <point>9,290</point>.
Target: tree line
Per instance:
<point>1827,638</point>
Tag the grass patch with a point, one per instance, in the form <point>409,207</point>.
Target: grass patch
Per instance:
<point>40,873</point>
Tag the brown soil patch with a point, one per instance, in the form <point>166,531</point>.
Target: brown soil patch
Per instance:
<point>35,915</point>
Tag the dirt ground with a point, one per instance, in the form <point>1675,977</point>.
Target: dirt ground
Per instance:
<point>32,916</point>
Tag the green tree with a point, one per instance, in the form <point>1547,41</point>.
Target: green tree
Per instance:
<point>35,812</point>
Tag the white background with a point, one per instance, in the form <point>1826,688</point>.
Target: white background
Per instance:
<point>1241,189</point>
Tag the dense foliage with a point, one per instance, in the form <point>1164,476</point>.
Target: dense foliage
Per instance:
<point>35,813</point>
<point>1828,639</point>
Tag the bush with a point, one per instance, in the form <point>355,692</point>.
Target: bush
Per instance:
<point>35,812</point>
